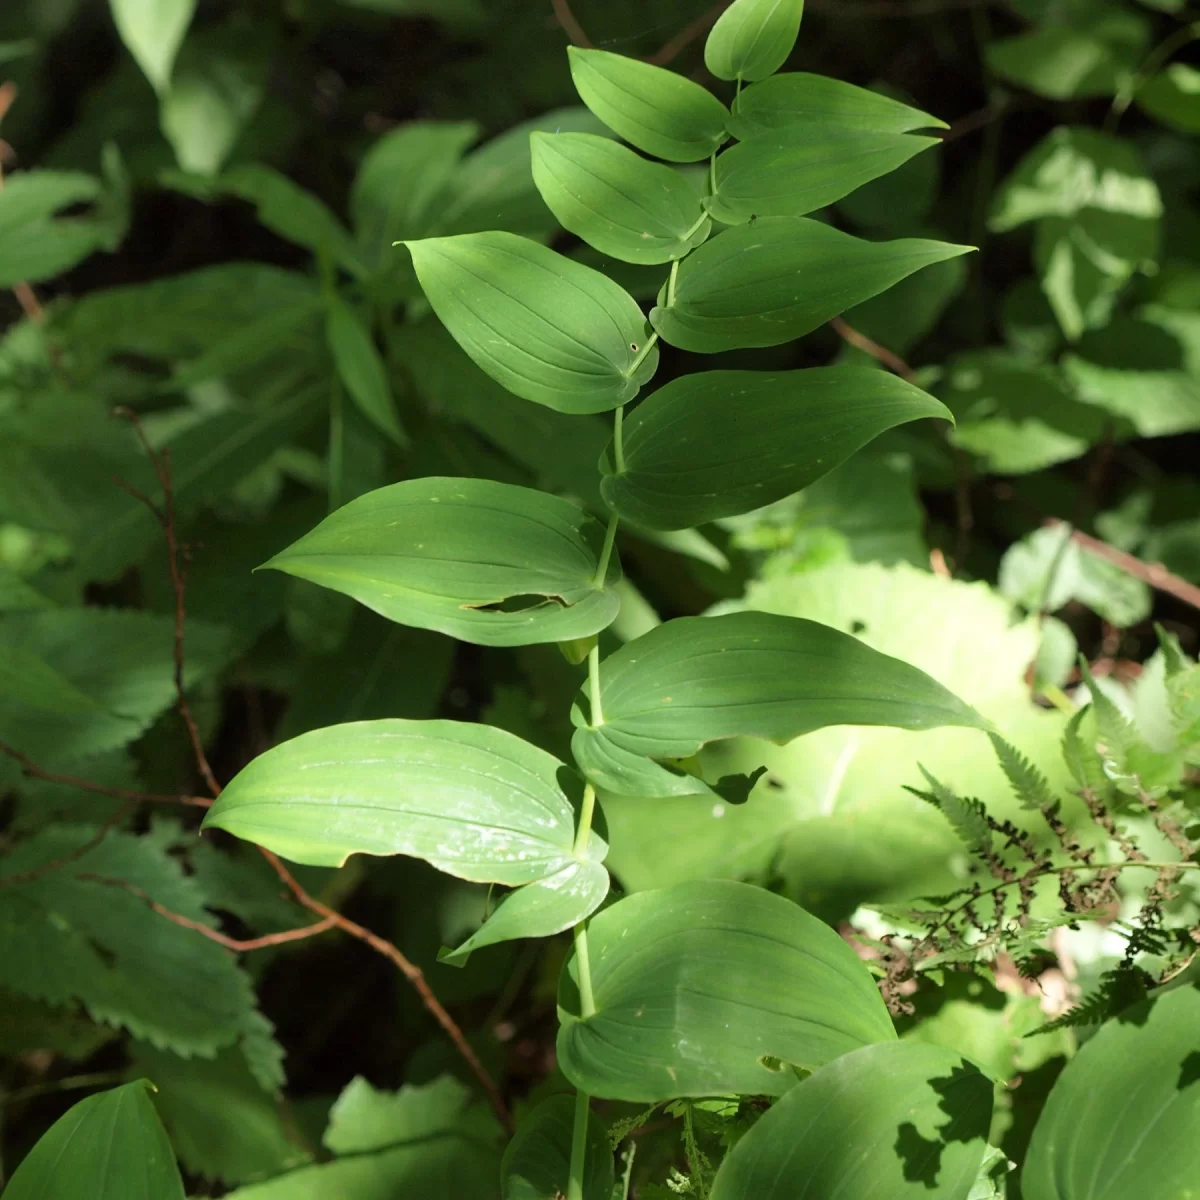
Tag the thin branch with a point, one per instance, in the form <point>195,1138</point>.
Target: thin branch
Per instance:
<point>882,354</point>
<point>1154,574</point>
<point>57,864</point>
<point>571,27</point>
<point>672,49</point>
<point>886,8</point>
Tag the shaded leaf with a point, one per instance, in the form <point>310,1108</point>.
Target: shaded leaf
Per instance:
<point>537,1161</point>
<point>361,368</point>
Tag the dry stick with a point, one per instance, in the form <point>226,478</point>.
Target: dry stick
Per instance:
<point>330,917</point>
<point>890,359</point>
<point>688,34</point>
<point>571,27</point>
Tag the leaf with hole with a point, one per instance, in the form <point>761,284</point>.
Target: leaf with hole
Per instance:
<point>696,680</point>
<point>718,443</point>
<point>775,279</point>
<point>545,327</point>
<point>752,38</point>
<point>655,110</point>
<point>537,1162</point>
<point>894,1121</point>
<point>617,201</point>
<point>712,988</point>
<point>484,562</point>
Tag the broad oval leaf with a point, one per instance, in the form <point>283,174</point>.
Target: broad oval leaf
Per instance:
<point>797,172</point>
<point>712,988</point>
<point>655,110</point>
<point>472,800</point>
<point>537,1162</point>
<point>485,562</point>
<point>718,443</point>
<point>549,329</point>
<point>696,680</point>
<point>817,104</point>
<point>752,38</point>
<point>153,31</point>
<point>778,278</point>
<point>110,1146</point>
<point>894,1121</point>
<point>617,201</point>
<point>360,367</point>
<point>1122,1118</point>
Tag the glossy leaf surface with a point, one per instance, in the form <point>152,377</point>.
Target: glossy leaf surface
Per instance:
<point>718,443</point>
<point>778,278</point>
<point>752,38</point>
<point>474,801</point>
<point>547,328</point>
<point>1121,1119</point>
<point>793,173</point>
<point>110,1146</point>
<point>656,110</point>
<point>712,988</point>
<point>799,101</point>
<point>696,680</point>
<point>617,201</point>
<point>361,368</point>
<point>537,1161</point>
<point>895,1121</point>
<point>484,562</point>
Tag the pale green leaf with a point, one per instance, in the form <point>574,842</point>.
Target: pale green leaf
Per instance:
<point>1063,63</point>
<point>752,38</point>
<point>361,368</point>
<point>712,988</point>
<point>1173,97</point>
<point>153,30</point>
<point>537,1161</point>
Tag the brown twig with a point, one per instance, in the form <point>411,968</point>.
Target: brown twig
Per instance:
<point>571,27</point>
<point>64,860</point>
<point>673,48</point>
<point>1154,574</point>
<point>888,358</point>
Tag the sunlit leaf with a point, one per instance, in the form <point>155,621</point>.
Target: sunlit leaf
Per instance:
<point>153,30</point>
<point>1173,97</point>
<point>752,38</point>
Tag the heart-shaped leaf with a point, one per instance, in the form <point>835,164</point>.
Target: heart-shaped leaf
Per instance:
<point>696,680</point>
<point>546,327</point>
<point>712,988</point>
<point>752,38</point>
<point>484,562</point>
<point>718,443</point>
<point>777,278</point>
<point>475,801</point>
<point>894,1121</point>
<point>537,1162</point>
<point>617,201</point>
<point>655,110</point>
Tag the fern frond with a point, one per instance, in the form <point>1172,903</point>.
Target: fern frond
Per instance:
<point>967,816</point>
<point>1029,785</point>
<point>1119,989</point>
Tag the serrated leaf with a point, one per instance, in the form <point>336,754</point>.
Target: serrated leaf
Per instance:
<point>752,38</point>
<point>1029,785</point>
<point>110,1146</point>
<point>696,680</point>
<point>545,327</point>
<point>152,31</point>
<point>768,282</point>
<point>712,988</point>
<point>719,443</point>
<point>537,1162</point>
<point>485,562</point>
<point>361,368</point>
<point>896,1121</point>
<point>655,110</point>
<point>617,201</point>
<point>967,816</point>
<point>476,802</point>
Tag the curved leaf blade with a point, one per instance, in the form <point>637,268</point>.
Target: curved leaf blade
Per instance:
<point>545,327</point>
<point>361,368</point>
<point>752,38</point>
<point>110,1146</point>
<point>617,201</point>
<point>655,110</point>
<point>537,1162</point>
<point>712,988</point>
<point>697,680</point>
<point>484,562</point>
<point>894,1121</point>
<point>474,801</point>
<point>778,278</point>
<point>719,443</point>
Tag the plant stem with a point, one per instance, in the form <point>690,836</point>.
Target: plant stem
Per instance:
<point>1155,59</point>
<point>651,342</point>
<point>337,443</point>
<point>68,1084</point>
<point>712,174</point>
<point>587,1008</point>
<point>671,283</point>
<point>586,812</point>
<point>699,221</point>
<point>610,536</point>
<point>619,440</point>
<point>579,1146</point>
<point>594,686</point>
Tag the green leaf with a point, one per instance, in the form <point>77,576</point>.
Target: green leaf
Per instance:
<point>152,31</point>
<point>473,801</point>
<point>541,909</point>
<point>655,110</point>
<point>753,38</point>
<point>537,1161</point>
<point>712,988</point>
<point>634,210</point>
<point>548,329</point>
<point>791,173</point>
<point>1062,63</point>
<point>110,1146</point>
<point>1121,1118</point>
<point>361,368</point>
<point>895,1121</point>
<point>1172,97</point>
<point>696,680</point>
<point>719,443</point>
<point>773,280</point>
<point>801,101</point>
<point>485,562</point>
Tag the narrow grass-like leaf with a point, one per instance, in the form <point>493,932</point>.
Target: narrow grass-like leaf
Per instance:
<point>360,367</point>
